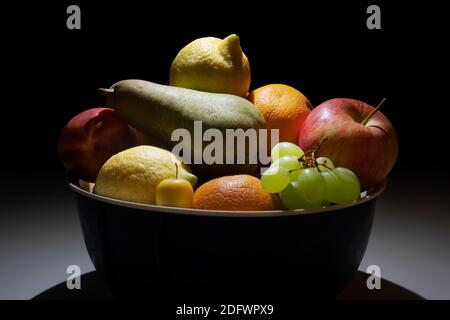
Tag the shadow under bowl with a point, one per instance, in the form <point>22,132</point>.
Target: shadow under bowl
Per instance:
<point>136,247</point>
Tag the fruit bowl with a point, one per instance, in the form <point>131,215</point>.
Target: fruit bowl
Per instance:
<point>137,247</point>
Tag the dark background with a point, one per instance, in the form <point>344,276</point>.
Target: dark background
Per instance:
<point>322,49</point>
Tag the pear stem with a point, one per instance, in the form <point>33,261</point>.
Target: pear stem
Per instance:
<point>106,92</point>
<point>364,122</point>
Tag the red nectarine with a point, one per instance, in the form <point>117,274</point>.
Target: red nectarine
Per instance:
<point>91,138</point>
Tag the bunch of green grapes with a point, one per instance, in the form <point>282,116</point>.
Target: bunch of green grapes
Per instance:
<point>304,182</point>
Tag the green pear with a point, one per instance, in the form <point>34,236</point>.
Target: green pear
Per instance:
<point>158,110</point>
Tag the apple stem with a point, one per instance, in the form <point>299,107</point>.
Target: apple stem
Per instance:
<point>176,170</point>
<point>106,92</point>
<point>364,122</point>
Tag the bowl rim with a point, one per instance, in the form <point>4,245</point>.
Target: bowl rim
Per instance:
<point>371,194</point>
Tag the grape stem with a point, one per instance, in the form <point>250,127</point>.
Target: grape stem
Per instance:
<point>313,150</point>
<point>323,165</point>
<point>364,122</point>
<point>317,146</point>
<point>308,159</point>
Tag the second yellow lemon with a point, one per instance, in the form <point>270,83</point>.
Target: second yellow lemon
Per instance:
<point>213,65</point>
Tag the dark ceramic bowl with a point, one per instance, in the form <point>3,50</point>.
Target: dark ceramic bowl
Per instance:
<point>142,247</point>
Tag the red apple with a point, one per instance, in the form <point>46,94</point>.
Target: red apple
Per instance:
<point>91,138</point>
<point>368,149</point>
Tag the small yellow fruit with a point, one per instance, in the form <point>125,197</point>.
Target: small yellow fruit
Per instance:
<point>212,65</point>
<point>174,193</point>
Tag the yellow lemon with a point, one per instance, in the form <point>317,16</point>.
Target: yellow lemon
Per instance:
<point>134,174</point>
<point>212,65</point>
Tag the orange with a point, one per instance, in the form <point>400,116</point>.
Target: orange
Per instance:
<point>238,192</point>
<point>283,107</point>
